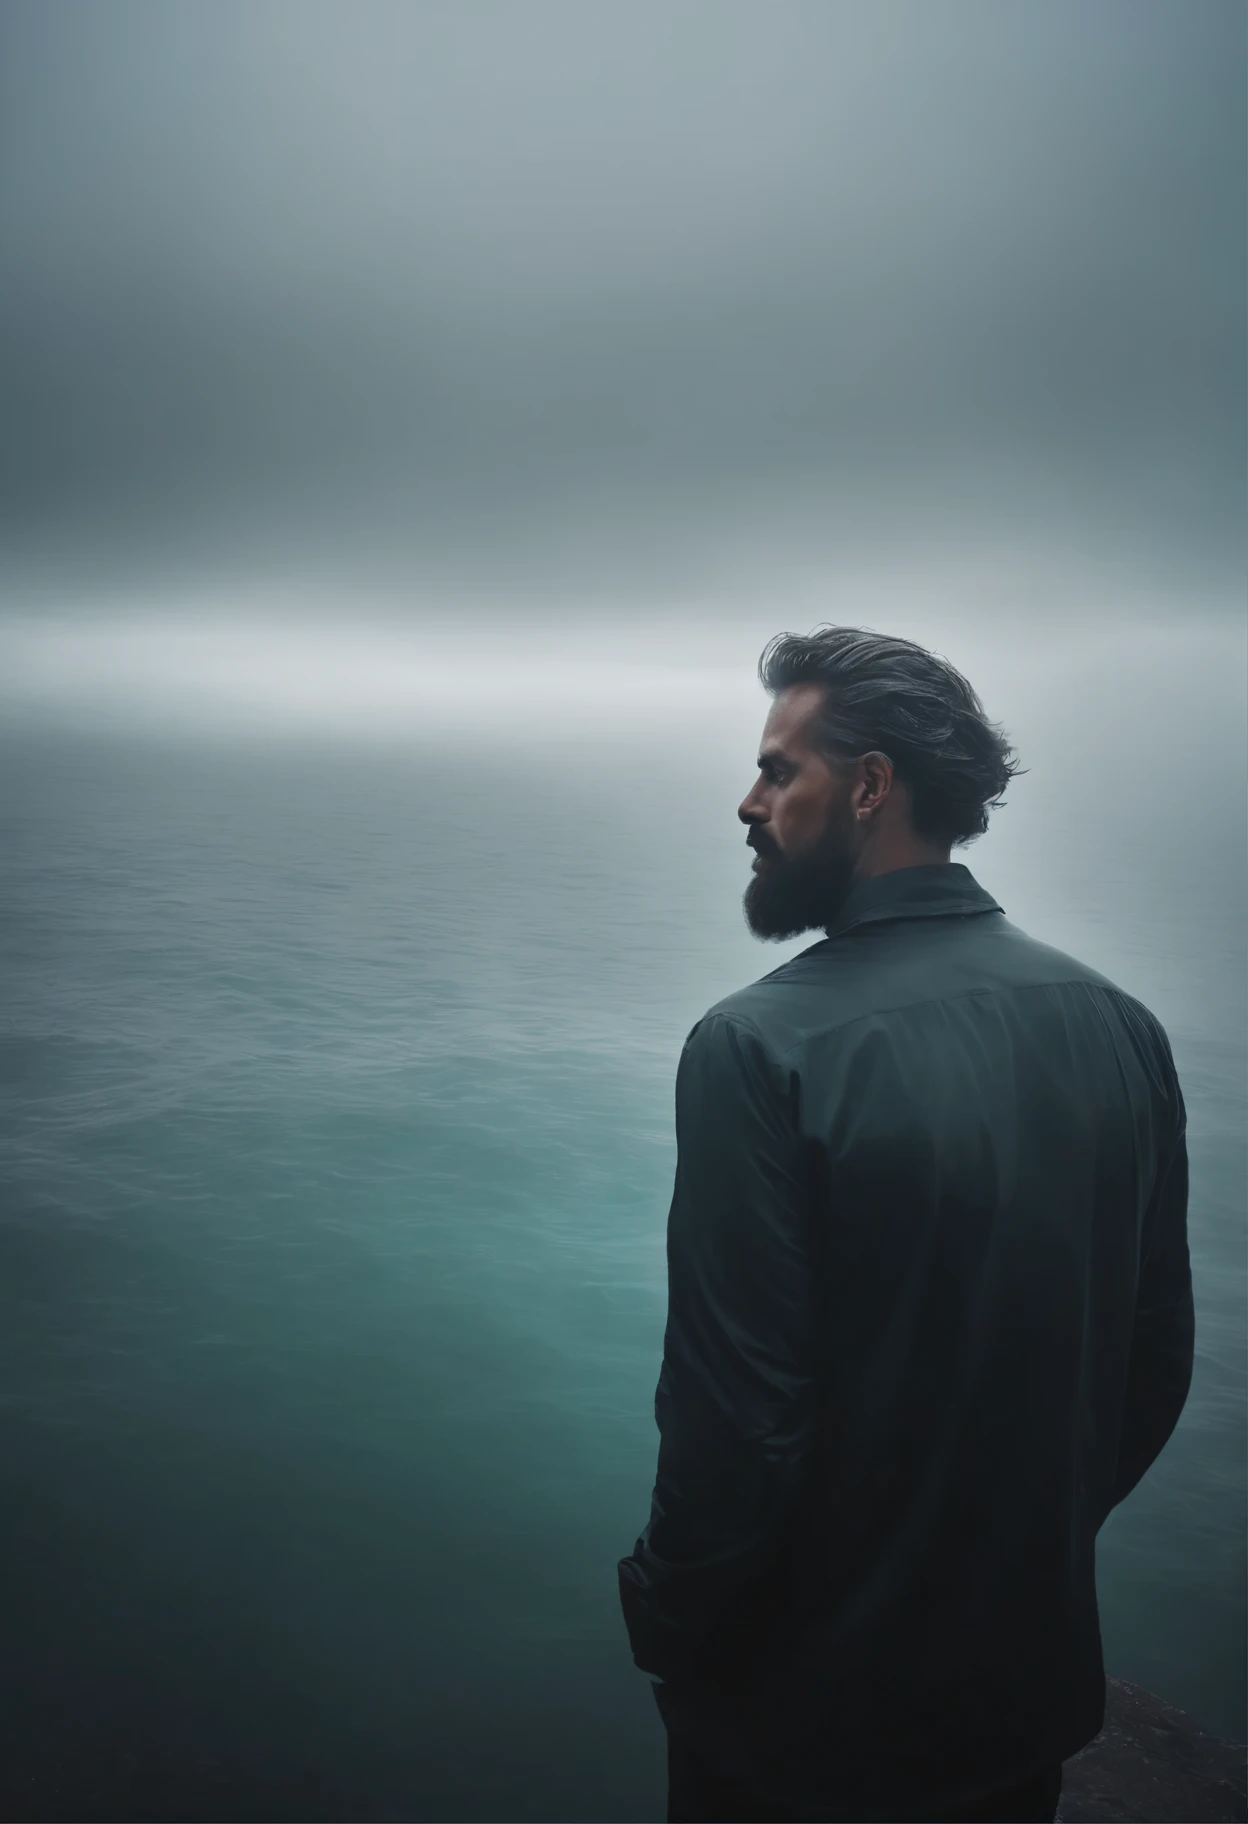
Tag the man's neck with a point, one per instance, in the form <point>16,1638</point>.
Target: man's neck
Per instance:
<point>900,854</point>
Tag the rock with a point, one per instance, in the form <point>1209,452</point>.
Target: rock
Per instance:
<point>1151,1764</point>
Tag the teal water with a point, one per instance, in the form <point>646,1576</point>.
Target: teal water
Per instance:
<point>336,1158</point>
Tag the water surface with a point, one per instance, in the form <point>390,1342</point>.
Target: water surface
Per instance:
<point>336,1160</point>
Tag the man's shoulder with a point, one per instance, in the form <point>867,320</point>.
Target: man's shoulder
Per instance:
<point>833,983</point>
<point>1045,964</point>
<point>760,1005</point>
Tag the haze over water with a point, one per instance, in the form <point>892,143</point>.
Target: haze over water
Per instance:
<point>415,431</point>
<point>340,1143</point>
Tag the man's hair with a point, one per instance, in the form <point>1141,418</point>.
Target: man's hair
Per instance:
<point>893,696</point>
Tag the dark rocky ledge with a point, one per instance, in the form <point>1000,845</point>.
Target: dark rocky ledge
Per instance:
<point>1151,1764</point>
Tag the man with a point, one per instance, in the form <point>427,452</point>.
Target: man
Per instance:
<point>930,1310</point>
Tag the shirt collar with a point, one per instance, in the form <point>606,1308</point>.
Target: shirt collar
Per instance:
<point>943,889</point>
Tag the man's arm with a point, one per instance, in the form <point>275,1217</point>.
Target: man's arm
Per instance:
<point>1159,1371</point>
<point>736,1393</point>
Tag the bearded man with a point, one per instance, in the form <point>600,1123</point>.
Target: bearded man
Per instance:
<point>929,1296</point>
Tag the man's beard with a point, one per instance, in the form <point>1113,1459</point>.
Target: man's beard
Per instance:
<point>789,894</point>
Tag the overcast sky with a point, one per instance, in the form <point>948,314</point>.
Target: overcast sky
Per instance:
<point>576,304</point>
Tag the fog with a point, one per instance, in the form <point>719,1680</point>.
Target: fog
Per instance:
<point>571,314</point>
<point>415,419</point>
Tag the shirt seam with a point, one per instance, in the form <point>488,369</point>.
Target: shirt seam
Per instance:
<point>964,994</point>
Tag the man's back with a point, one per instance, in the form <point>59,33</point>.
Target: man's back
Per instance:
<point>930,1319</point>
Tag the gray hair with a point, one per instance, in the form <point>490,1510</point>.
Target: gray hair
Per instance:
<point>888,695</point>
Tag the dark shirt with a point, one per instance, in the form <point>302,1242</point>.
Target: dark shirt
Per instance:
<point>930,1317</point>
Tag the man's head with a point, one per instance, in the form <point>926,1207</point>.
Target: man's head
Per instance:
<point>876,755</point>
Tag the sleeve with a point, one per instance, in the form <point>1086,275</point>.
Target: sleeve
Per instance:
<point>735,1402</point>
<point>1160,1366</point>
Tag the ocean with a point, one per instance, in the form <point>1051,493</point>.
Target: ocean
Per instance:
<point>336,1157</point>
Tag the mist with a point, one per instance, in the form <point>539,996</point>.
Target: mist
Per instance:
<point>584,312</point>
<point>415,419</point>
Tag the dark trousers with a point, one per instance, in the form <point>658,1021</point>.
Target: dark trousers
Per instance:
<point>697,1795</point>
